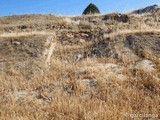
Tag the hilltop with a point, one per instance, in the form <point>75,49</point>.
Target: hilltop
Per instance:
<point>148,9</point>
<point>81,67</point>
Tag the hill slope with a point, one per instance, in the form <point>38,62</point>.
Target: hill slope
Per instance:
<point>83,67</point>
<point>147,9</point>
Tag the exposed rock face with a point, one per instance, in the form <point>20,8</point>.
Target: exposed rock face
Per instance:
<point>146,9</point>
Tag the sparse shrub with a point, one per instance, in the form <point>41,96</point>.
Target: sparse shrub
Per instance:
<point>91,9</point>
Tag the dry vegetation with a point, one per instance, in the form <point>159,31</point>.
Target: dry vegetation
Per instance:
<point>102,68</point>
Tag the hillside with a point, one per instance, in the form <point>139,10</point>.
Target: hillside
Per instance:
<point>81,68</point>
<point>148,9</point>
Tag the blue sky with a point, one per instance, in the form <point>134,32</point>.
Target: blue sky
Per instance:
<point>69,7</point>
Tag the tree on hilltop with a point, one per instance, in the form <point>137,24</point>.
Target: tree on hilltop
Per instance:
<point>91,9</point>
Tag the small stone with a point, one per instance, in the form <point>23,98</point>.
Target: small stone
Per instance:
<point>84,35</point>
<point>81,40</point>
<point>78,57</point>
<point>16,43</point>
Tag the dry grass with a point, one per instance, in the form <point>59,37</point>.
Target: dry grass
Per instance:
<point>60,95</point>
<point>70,100</point>
<point>19,34</point>
<point>125,32</point>
<point>64,92</point>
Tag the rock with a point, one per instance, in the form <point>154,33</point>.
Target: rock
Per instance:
<point>16,43</point>
<point>82,41</point>
<point>78,57</point>
<point>84,35</point>
<point>145,65</point>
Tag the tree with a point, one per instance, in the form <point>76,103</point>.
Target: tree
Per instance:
<point>91,9</point>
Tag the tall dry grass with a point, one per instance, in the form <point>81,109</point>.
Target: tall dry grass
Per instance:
<point>61,94</point>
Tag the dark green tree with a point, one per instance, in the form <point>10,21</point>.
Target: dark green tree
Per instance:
<point>91,9</point>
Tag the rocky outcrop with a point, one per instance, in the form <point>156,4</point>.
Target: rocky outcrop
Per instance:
<point>147,9</point>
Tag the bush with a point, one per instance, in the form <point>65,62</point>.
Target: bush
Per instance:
<point>91,9</point>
